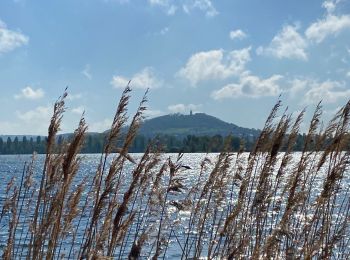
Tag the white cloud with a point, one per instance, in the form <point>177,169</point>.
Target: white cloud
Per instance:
<point>159,2</point>
<point>289,43</point>
<point>10,40</point>
<point>35,114</point>
<point>9,128</point>
<point>214,64</point>
<point>333,111</point>
<point>144,79</point>
<point>311,91</point>
<point>35,121</point>
<point>171,6</point>
<point>237,34</point>
<point>348,74</point>
<point>119,81</point>
<point>205,6</point>
<point>286,44</point>
<point>86,72</point>
<point>330,25</point>
<point>328,92</point>
<point>100,126</point>
<point>171,10</point>
<point>78,110</point>
<point>29,93</point>
<point>164,30</point>
<point>166,5</point>
<point>182,108</point>
<point>153,113</point>
<point>298,85</point>
<point>74,96</point>
<point>330,5</point>
<point>30,122</point>
<point>250,86</point>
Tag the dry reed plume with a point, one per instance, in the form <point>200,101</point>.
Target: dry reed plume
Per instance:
<point>263,204</point>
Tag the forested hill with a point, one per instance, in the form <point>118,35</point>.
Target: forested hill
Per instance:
<point>198,124</point>
<point>189,133</point>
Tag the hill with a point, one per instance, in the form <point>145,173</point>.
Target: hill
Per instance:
<point>176,132</point>
<point>199,124</point>
<point>177,125</point>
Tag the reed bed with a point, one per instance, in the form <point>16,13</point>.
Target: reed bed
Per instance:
<point>263,204</point>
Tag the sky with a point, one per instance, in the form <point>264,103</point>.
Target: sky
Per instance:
<point>228,58</point>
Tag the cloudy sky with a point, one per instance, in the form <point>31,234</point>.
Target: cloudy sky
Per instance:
<point>228,58</point>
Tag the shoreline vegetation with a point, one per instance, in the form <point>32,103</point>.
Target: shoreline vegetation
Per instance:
<point>264,205</point>
<point>94,143</point>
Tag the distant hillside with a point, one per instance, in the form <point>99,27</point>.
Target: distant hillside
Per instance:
<point>177,125</point>
<point>198,124</point>
<point>34,137</point>
<point>176,133</point>
<point>20,137</point>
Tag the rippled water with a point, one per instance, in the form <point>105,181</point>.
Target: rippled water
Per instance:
<point>11,166</point>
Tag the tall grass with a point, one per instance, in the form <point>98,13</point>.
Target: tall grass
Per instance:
<point>262,204</point>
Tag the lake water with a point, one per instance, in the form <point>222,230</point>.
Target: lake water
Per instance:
<point>11,166</point>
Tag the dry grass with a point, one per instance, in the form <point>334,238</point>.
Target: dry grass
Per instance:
<point>266,204</point>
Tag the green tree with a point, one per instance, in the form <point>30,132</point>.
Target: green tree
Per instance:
<point>25,145</point>
<point>16,147</point>
<point>1,146</point>
<point>8,149</point>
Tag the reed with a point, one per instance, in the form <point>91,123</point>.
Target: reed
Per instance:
<point>261,204</point>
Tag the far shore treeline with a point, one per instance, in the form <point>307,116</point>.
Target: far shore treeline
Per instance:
<point>171,144</point>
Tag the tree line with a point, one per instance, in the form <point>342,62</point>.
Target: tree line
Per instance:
<point>167,143</point>
<point>23,146</point>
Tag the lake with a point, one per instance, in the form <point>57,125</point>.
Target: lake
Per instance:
<point>176,219</point>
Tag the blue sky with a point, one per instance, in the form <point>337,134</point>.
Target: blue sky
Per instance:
<point>228,58</point>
